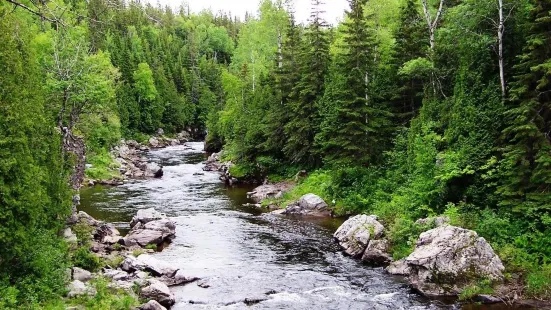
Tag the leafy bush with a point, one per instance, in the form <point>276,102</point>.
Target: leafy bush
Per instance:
<point>83,258</point>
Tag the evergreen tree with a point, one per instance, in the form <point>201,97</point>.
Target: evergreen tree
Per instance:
<point>303,124</point>
<point>286,77</point>
<point>411,42</point>
<point>355,136</point>
<point>526,164</point>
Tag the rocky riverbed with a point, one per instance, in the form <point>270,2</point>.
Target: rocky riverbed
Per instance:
<point>244,256</point>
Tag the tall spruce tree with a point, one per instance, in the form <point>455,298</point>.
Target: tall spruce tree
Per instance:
<point>526,160</point>
<point>354,137</point>
<point>411,44</point>
<point>286,76</point>
<point>303,124</point>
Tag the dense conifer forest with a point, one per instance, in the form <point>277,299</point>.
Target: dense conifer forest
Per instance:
<point>405,109</point>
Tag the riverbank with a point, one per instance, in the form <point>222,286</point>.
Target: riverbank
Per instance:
<point>401,239</point>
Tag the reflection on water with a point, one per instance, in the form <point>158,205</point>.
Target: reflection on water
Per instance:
<point>240,253</point>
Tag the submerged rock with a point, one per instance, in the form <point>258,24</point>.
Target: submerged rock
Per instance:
<point>354,234</point>
<point>447,259</point>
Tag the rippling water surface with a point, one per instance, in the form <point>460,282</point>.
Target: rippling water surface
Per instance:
<point>243,255</point>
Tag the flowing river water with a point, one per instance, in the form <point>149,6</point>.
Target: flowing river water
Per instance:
<point>243,254</point>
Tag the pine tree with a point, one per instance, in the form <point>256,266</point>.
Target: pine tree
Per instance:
<point>411,44</point>
<point>303,124</point>
<point>286,76</point>
<point>355,136</point>
<point>526,160</point>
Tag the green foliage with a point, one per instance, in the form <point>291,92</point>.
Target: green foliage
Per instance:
<point>538,282</point>
<point>85,259</point>
<point>106,298</point>
<point>482,287</point>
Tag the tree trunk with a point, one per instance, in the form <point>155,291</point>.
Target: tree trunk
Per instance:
<point>500,32</point>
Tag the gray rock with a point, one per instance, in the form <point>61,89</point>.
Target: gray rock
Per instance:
<point>160,132</point>
<point>308,205</point>
<point>69,236</point>
<point>447,259</point>
<point>81,274</point>
<point>152,305</point>
<point>107,233</point>
<point>77,288</point>
<point>153,142</point>
<point>146,262</point>
<point>83,217</point>
<point>154,232</point>
<point>377,252</point>
<point>354,234</point>
<point>146,215</point>
<point>399,268</point>
<point>268,191</point>
<point>159,292</point>
<point>487,299</point>
<point>117,275</point>
<point>312,202</point>
<point>177,278</point>
<point>153,170</point>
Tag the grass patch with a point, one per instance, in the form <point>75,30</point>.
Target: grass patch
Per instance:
<point>104,166</point>
<point>482,287</point>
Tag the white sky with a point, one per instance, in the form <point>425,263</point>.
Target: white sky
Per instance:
<point>334,8</point>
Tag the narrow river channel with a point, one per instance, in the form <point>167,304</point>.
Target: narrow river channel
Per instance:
<point>242,254</point>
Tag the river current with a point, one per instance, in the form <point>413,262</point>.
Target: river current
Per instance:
<point>248,259</point>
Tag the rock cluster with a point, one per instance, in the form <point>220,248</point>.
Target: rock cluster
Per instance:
<point>135,166</point>
<point>149,227</point>
<point>213,164</point>
<point>152,276</point>
<point>307,205</point>
<point>446,259</point>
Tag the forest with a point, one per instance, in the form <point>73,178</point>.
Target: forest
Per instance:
<point>404,109</point>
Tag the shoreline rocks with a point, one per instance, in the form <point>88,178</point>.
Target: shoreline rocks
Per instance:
<point>132,165</point>
<point>308,205</point>
<point>355,234</point>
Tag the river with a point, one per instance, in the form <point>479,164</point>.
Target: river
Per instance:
<point>242,253</point>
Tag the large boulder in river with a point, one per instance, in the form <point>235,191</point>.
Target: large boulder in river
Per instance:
<point>447,259</point>
<point>153,170</point>
<point>145,216</point>
<point>154,232</point>
<point>354,234</point>
<point>159,292</point>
